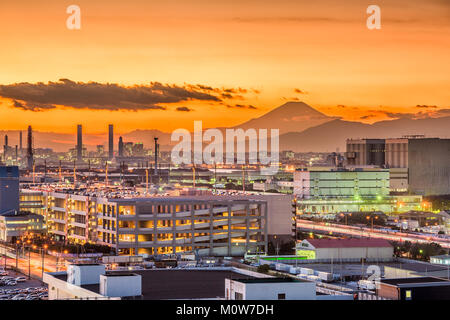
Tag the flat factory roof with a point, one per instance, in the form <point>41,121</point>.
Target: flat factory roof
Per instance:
<point>414,280</point>
<point>179,284</point>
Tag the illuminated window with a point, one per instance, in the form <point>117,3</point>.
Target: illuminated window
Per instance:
<point>408,295</point>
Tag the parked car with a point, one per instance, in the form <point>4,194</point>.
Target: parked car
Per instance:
<point>21,279</point>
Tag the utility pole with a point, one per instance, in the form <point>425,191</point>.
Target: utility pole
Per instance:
<point>60,173</point>
<point>74,173</point>
<point>89,170</point>
<point>146,180</point>
<point>29,263</point>
<point>215,177</point>
<point>17,255</point>
<point>243,178</point>
<point>106,173</point>
<point>34,168</point>
<point>43,257</point>
<point>168,174</point>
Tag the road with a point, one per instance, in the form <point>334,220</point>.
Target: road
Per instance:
<point>32,262</point>
<point>368,233</point>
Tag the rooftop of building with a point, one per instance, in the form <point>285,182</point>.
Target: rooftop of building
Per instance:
<point>364,169</point>
<point>442,256</point>
<point>19,214</point>
<point>116,194</point>
<point>422,267</point>
<point>349,243</point>
<point>271,280</point>
<point>178,284</point>
<point>415,281</point>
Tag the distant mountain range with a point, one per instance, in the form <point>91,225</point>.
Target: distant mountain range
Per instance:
<point>302,129</point>
<point>332,135</point>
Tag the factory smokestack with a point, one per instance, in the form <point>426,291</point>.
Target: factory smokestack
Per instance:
<point>79,142</point>
<point>120,147</point>
<point>30,159</point>
<point>111,142</point>
<point>156,155</point>
<point>20,142</point>
<point>5,147</point>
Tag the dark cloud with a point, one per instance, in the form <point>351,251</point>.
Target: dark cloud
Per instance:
<point>224,93</point>
<point>399,115</point>
<point>31,107</point>
<point>184,109</point>
<point>99,96</point>
<point>299,91</point>
<point>426,106</point>
<point>242,106</point>
<point>367,116</point>
<point>226,96</point>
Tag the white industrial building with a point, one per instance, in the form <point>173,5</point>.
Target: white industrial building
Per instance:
<point>278,289</point>
<point>346,249</point>
<point>270,289</point>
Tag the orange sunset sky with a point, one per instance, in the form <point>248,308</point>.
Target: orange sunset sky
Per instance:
<point>163,64</point>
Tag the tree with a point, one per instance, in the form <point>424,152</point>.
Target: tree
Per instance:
<point>263,268</point>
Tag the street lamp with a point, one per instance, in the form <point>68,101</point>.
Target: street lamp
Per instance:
<point>17,254</point>
<point>29,260</point>
<point>43,254</point>
<point>371,218</point>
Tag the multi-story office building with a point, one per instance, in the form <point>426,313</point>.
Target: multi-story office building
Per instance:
<point>15,224</point>
<point>32,201</point>
<point>9,189</point>
<point>207,226</point>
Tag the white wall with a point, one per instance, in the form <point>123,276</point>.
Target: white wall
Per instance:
<point>354,253</point>
<point>84,274</point>
<point>269,291</point>
<point>121,286</point>
<point>60,289</point>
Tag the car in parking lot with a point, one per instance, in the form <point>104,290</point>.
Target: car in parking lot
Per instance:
<point>21,279</point>
<point>31,293</point>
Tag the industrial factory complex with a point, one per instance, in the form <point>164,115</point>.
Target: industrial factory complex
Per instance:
<point>124,223</point>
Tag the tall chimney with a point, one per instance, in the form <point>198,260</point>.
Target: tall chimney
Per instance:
<point>111,142</point>
<point>79,142</point>
<point>5,147</point>
<point>30,159</point>
<point>120,147</point>
<point>20,141</point>
<point>156,156</point>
